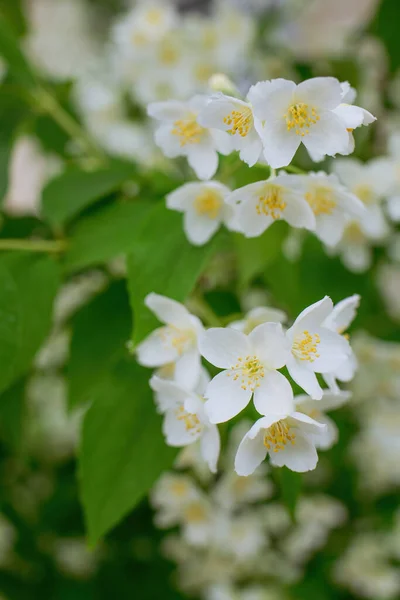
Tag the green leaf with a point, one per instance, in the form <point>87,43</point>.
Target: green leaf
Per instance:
<point>107,233</point>
<point>290,484</point>
<point>12,413</point>
<point>255,254</point>
<point>162,261</point>
<point>11,53</point>
<point>28,287</point>
<point>68,194</point>
<point>100,332</point>
<point>122,450</point>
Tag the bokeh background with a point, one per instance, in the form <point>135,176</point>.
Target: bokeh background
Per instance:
<point>347,543</point>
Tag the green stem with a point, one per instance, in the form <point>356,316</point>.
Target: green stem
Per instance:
<point>52,246</point>
<point>293,169</point>
<point>45,101</point>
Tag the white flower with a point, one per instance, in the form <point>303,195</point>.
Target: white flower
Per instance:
<point>316,409</point>
<point>249,364</point>
<point>331,203</point>
<point>257,316</point>
<point>176,342</point>
<point>292,114</point>
<point>341,317</point>
<point>287,439</point>
<point>170,494</point>
<point>181,134</point>
<point>259,204</point>
<point>204,208</point>
<point>185,420</point>
<point>315,349</point>
<point>236,118</point>
<point>232,491</point>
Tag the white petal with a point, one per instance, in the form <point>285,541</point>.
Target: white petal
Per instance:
<point>280,145</point>
<point>343,314</point>
<point>168,393</point>
<point>393,208</point>
<point>330,228</point>
<point>169,143</point>
<point>328,136</point>
<point>270,99</point>
<point>298,213</point>
<point>346,370</point>
<point>251,148</point>
<point>270,344</point>
<point>182,198</point>
<point>169,311</point>
<point>155,351</point>
<point>305,378</point>
<point>312,316</point>
<point>333,349</point>
<point>328,437</point>
<point>187,368</point>
<point>171,110</point>
<point>299,457</point>
<point>250,454</point>
<point>357,257</point>
<point>251,223</point>
<point>226,398</point>
<point>198,228</point>
<point>176,433</point>
<point>274,396</point>
<point>223,346</point>
<point>210,447</point>
<point>323,92</point>
<point>203,159</point>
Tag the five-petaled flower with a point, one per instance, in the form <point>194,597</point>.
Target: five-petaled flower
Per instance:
<point>288,439</point>
<point>315,348</point>
<point>175,342</point>
<point>250,364</point>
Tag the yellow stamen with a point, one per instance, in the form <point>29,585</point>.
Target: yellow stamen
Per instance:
<point>249,371</point>
<point>305,346</point>
<point>364,192</point>
<point>301,117</point>
<point>240,121</point>
<point>278,435</point>
<point>321,200</point>
<point>188,130</point>
<point>271,202</point>
<point>209,204</point>
<point>191,421</point>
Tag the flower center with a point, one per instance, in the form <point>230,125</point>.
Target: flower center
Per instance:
<point>250,371</point>
<point>188,130</point>
<point>353,233</point>
<point>195,513</point>
<point>179,488</point>
<point>278,435</point>
<point>300,117</point>
<point>208,203</point>
<point>240,121</point>
<point>180,339</point>
<point>168,54</point>
<point>203,72</point>
<point>154,16</point>
<point>138,39</point>
<point>271,202</point>
<point>321,200</point>
<point>305,346</point>
<point>365,193</point>
<point>191,420</point>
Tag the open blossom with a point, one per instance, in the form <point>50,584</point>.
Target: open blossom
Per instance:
<point>315,348</point>
<point>259,204</point>
<point>341,317</point>
<point>293,114</point>
<point>258,315</point>
<point>175,342</point>
<point>331,203</point>
<point>316,409</point>
<point>286,438</point>
<point>249,363</point>
<point>185,420</point>
<point>204,208</point>
<point>181,134</point>
<point>235,117</point>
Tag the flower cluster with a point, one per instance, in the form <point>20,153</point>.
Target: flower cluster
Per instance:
<point>290,429</point>
<point>225,524</point>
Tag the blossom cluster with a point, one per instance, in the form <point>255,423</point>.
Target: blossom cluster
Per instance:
<point>290,428</point>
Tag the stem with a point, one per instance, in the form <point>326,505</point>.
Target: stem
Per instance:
<point>50,104</point>
<point>52,246</point>
<point>293,169</point>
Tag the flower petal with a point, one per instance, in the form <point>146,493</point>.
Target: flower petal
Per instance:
<point>333,349</point>
<point>210,445</point>
<point>154,351</point>
<point>270,344</point>
<point>198,228</point>
<point>223,346</point>
<point>175,431</point>
<point>250,454</point>
<point>280,145</point>
<point>305,378</point>
<point>328,136</point>
<point>270,99</point>
<point>312,316</point>
<point>168,311</point>
<point>322,92</point>
<point>188,368</point>
<point>274,396</point>
<point>203,159</point>
<point>225,398</point>
<point>299,457</point>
